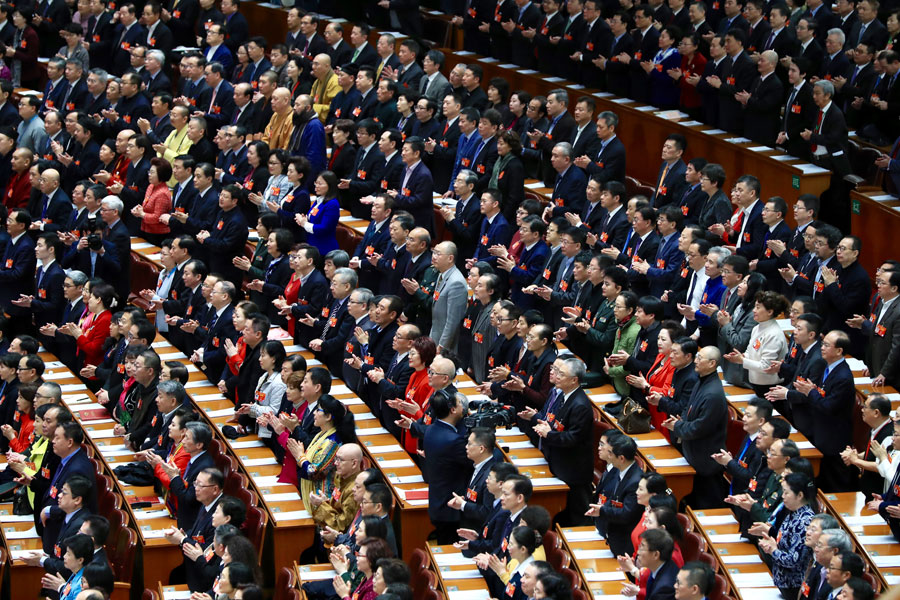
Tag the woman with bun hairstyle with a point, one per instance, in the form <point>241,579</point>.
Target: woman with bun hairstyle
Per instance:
<point>523,541</point>
<point>315,465</point>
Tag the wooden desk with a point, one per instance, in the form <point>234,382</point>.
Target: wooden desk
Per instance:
<point>871,535</point>
<point>656,452</point>
<point>875,218</point>
<point>644,133</point>
<point>456,573</point>
<point>593,560</point>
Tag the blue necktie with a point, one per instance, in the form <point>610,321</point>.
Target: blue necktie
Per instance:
<point>746,447</point>
<point>46,202</point>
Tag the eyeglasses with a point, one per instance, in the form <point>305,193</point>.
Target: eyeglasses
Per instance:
<point>433,372</point>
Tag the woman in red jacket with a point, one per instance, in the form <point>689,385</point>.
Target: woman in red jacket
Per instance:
<point>21,434</point>
<point>418,391</point>
<point>658,379</point>
<point>89,341</point>
<point>177,455</point>
<point>157,202</point>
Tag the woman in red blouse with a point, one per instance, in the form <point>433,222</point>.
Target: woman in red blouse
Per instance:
<point>693,63</point>
<point>157,201</point>
<point>418,391</point>
<point>89,341</point>
<point>177,454</point>
<point>658,378</point>
<point>236,352</point>
<point>21,435</point>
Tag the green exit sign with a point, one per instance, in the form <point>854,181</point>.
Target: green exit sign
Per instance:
<point>795,182</point>
<point>856,207</point>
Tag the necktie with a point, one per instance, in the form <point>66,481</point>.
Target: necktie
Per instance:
<point>770,40</point>
<point>650,579</point>
<point>637,246</point>
<point>215,318</point>
<point>740,457</point>
<point>693,285</point>
<point>551,406</point>
<point>862,32</point>
<point>660,189</point>
<point>237,114</point>
<point>332,314</point>
<point>40,275</point>
<point>826,374</point>
<point>355,55</point>
<point>815,147</point>
<point>725,299</point>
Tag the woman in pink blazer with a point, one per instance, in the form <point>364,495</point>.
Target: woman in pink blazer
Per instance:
<point>157,202</point>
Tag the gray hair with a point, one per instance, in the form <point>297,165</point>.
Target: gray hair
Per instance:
<point>721,254</point>
<point>347,275</point>
<point>100,74</point>
<point>59,63</point>
<point>174,389</point>
<point>826,521</point>
<point>77,277</point>
<point>462,400</point>
<point>364,296</point>
<point>562,96</point>
<point>391,39</point>
<point>113,202</point>
<point>54,390</point>
<point>576,367</point>
<point>610,118</point>
<point>158,55</point>
<point>460,66</point>
<point>565,148</point>
<point>838,33</point>
<point>826,86</point>
<point>838,539</point>
<point>471,177</point>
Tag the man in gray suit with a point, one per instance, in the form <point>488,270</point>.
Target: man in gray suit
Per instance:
<point>32,134</point>
<point>433,84</point>
<point>450,296</point>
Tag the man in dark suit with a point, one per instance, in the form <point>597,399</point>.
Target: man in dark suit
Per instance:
<point>702,429</point>
<point>56,87</point>
<point>441,150</point>
<point>749,238</point>
<point>751,457</point>
<point>835,64</point>
<point>416,190</point>
<point>657,580</point>
<point>569,188</point>
<point>798,112</point>
<point>50,17</point>
<point>47,302</point>
<point>615,509</point>
<point>808,46</point>
<point>670,181</point>
<point>820,12</point>
<point>390,383</point>
<point>845,293</point>
<point>614,227</point>
<point>564,430</point>
<point>526,18</point>
<point>758,28</point>
<point>127,35</point>
<point>615,68</point>
<point>334,325</point>
<point>882,329</point>
<point>803,362</point>
<point>762,101</point>
<point>608,161</point>
<point>828,141</point>
<point>782,38</point>
<point>117,234</point>
<point>210,358</point>
<point>447,469</point>
<point>65,522</point>
<point>184,488</point>
<point>766,262</point>
<point>494,228</point>
<point>477,502</point>
<point>562,126</point>
<point>208,484</point>
<point>552,26</point>
<point>17,268</point>
<point>646,45</point>
<point>737,76</point>
<point>832,397</point>
<point>643,245</point>
<point>661,270</point>
<point>67,441</point>
<point>869,29</point>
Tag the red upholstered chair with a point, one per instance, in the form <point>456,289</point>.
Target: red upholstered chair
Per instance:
<point>284,584</point>
<point>255,526</point>
<point>122,556</point>
<point>691,546</point>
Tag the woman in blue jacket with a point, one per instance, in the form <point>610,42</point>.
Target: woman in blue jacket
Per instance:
<point>321,221</point>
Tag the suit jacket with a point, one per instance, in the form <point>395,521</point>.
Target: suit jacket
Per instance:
<point>416,196</point>
<point>613,230</point>
<point>833,135</point>
<point>123,41</point>
<point>450,305</point>
<point>521,47</point>
<point>758,35</point>
<point>182,486</point>
<point>738,75</point>
<point>762,110</point>
<point>494,232</point>
<point>619,511</point>
<point>567,444</point>
<point>883,348</point>
<point>875,36</point>
<point>17,273</point>
<point>832,403</point>
<point>466,227</point>
<point>767,261</point>
<point>56,531</point>
<point>664,268</point>
<point>214,344</point>
<point>841,300</point>
<point>663,585</point>
<point>670,187</point>
<point>702,427</point>
<point>201,532</point>
<point>568,192</point>
<point>609,162</point>
<point>337,329</point>
<point>837,66</point>
<point>647,252</point>
<point>754,232</point>
<point>479,501</point>
<point>799,114</point>
<point>447,469</point>
<point>47,305</point>
<point>78,464</point>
